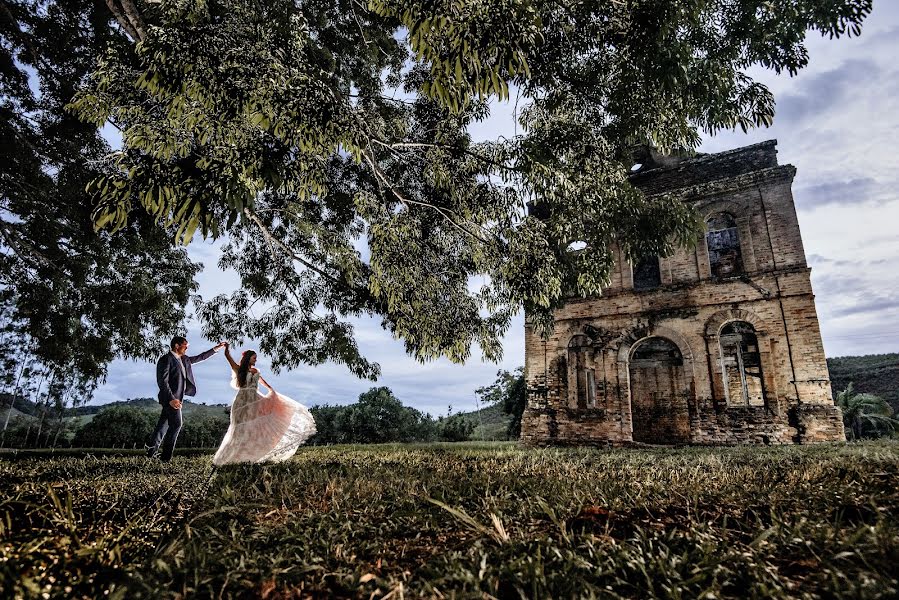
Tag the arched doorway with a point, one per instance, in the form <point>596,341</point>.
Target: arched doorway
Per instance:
<point>659,389</point>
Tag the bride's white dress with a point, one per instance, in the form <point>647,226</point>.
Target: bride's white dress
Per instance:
<point>263,428</point>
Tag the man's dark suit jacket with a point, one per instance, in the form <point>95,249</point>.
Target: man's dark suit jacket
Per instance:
<point>172,384</point>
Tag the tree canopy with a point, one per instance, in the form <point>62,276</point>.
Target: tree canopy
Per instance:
<point>73,298</point>
<point>328,142</point>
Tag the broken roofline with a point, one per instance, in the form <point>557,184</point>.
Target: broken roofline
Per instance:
<point>691,174</point>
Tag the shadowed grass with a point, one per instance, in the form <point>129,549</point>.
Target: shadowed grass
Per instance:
<point>472,520</point>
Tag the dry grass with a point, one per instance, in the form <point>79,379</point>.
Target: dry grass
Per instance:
<point>472,520</point>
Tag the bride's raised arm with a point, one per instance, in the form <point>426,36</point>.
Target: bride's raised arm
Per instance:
<point>234,365</point>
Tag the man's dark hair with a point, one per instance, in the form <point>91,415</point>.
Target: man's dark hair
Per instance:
<point>177,341</point>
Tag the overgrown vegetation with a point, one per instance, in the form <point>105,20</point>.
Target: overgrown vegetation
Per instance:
<point>866,415</point>
<point>509,393</point>
<point>377,417</point>
<point>876,374</point>
<point>473,520</point>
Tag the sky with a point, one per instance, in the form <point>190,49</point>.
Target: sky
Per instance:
<point>837,122</point>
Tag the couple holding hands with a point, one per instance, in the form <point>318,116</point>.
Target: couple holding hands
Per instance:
<point>264,427</point>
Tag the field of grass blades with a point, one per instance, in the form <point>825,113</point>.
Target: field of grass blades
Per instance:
<point>457,521</point>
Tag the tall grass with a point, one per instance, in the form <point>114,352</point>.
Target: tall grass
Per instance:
<point>473,520</point>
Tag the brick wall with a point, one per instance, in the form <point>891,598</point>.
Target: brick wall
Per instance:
<point>694,405</point>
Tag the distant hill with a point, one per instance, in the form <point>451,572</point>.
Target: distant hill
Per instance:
<point>147,403</point>
<point>152,404</point>
<point>85,413</point>
<point>21,405</point>
<point>876,374</point>
<point>490,422</point>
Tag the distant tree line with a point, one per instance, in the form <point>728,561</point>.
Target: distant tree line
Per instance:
<point>119,425</point>
<point>379,417</point>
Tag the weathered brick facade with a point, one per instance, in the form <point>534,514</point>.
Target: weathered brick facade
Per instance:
<point>715,345</point>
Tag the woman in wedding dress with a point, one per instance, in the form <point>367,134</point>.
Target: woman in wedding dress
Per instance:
<point>267,427</point>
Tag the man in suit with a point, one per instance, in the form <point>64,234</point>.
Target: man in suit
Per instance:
<point>176,380</point>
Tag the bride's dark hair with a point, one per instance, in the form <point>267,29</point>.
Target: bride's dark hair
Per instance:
<point>243,368</point>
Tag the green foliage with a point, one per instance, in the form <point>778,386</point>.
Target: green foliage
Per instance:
<point>203,431</point>
<point>488,520</point>
<point>378,417</point>
<point>19,431</point>
<point>865,415</point>
<point>74,298</point>
<point>876,374</point>
<point>129,424</point>
<point>117,427</point>
<point>306,131</point>
<point>121,425</point>
<point>492,424</point>
<point>509,391</point>
<point>455,428</point>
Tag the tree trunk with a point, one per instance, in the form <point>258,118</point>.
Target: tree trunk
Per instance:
<point>12,401</point>
<point>45,407</point>
<point>40,428</point>
<point>137,22</point>
<point>56,437</point>
<point>123,21</point>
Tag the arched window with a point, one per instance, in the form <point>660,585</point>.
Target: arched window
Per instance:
<point>581,372</point>
<point>646,273</point>
<point>725,257</point>
<point>656,352</point>
<point>742,365</point>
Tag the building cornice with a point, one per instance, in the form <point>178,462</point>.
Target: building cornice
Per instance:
<point>691,193</point>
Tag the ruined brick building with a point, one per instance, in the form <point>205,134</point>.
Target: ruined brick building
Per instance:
<point>714,345</point>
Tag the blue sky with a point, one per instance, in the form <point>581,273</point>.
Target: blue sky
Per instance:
<point>837,122</point>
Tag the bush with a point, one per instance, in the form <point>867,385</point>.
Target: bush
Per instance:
<point>455,428</point>
<point>378,417</point>
<point>509,392</point>
<point>117,426</point>
<point>203,432</point>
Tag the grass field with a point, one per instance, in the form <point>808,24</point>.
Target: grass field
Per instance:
<point>464,521</point>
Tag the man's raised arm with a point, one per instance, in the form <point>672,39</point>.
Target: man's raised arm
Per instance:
<point>204,355</point>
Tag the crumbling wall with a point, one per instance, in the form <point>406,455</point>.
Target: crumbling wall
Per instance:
<point>752,366</point>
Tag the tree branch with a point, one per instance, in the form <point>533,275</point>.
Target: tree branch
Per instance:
<point>473,154</point>
<point>394,146</point>
<point>382,179</point>
<point>272,240</point>
<point>123,22</point>
<point>136,20</point>
<point>24,250</point>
